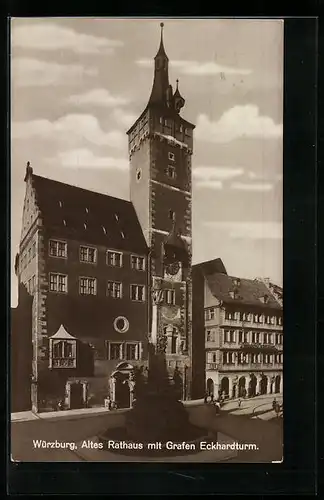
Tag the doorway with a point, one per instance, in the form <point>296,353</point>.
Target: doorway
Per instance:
<point>76,396</point>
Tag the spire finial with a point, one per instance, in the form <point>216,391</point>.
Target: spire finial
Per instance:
<point>177,82</point>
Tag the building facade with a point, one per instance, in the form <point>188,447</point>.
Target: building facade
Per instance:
<point>243,331</point>
<point>106,275</point>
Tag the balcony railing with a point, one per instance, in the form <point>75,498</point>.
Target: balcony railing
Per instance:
<point>246,346</point>
<point>250,324</point>
<point>64,362</point>
<point>251,367</point>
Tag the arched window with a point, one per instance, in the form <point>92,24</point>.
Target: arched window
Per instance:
<point>172,339</point>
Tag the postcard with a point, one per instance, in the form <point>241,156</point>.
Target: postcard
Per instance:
<point>146,240</point>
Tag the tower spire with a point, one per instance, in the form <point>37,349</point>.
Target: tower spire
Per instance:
<point>161,74</point>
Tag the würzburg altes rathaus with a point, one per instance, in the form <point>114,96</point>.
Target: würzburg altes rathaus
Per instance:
<point>107,275</point>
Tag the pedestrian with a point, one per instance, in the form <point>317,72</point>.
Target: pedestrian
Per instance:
<point>274,403</point>
<point>239,402</point>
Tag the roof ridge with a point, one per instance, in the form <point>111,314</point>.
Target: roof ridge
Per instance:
<point>81,189</point>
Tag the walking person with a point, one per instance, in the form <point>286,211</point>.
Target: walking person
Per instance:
<point>239,402</point>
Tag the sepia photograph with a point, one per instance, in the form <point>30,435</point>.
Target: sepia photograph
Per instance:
<point>146,240</point>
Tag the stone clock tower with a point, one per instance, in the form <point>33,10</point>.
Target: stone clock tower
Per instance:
<point>160,152</point>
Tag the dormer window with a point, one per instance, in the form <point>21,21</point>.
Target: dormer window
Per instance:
<point>171,156</point>
<point>116,217</point>
<point>85,226</point>
<point>60,204</point>
<point>87,210</point>
<point>122,234</point>
<point>64,222</point>
<point>104,229</point>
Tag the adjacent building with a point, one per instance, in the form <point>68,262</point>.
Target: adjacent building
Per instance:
<point>243,333</point>
<point>107,275</point>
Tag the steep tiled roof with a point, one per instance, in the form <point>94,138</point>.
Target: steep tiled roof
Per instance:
<point>249,292</point>
<point>89,216</point>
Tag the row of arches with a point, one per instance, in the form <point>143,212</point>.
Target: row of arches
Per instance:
<point>243,387</point>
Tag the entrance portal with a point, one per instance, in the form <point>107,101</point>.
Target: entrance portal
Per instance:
<point>122,392</point>
<point>76,396</point>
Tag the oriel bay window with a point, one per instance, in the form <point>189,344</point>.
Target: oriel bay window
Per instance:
<point>58,282</point>
<point>88,254</point>
<point>114,289</point>
<point>58,248</point>
<point>87,286</point>
<point>62,353</point>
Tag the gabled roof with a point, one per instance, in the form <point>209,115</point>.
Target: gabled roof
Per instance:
<point>211,267</point>
<point>249,292</point>
<point>88,216</point>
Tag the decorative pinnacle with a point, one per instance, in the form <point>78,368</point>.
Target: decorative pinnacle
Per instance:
<point>177,82</point>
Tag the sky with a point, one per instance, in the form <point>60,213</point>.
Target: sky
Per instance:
<point>77,84</point>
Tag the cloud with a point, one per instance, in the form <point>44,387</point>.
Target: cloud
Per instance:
<point>84,158</point>
<point>237,122</point>
<point>26,72</point>
<point>99,97</point>
<point>262,186</point>
<point>51,37</point>
<point>198,68</point>
<point>70,129</point>
<point>209,184</point>
<point>249,230</point>
<point>209,173</point>
<point>123,117</point>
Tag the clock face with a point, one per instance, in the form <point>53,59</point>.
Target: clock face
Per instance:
<point>173,268</point>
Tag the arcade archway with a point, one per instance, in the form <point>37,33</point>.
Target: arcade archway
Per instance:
<point>277,383</point>
<point>210,387</point>
<point>263,384</point>
<point>241,388</point>
<point>252,386</point>
<point>224,387</point>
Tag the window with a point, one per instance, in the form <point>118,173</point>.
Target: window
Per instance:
<point>229,336</point>
<point>209,314</point>
<point>138,263</point>
<point>279,320</point>
<point>132,351</point>
<point>116,350</point>
<point>228,358</point>
<point>88,254</point>
<point>210,336</point>
<point>104,229</point>
<point>161,120</point>
<point>58,249</point>
<point>60,204</point>
<point>122,234</point>
<point>116,217</point>
<point>87,210</point>
<point>170,171</point>
<point>114,289</point>
<point>34,249</point>
<point>58,282</point>
<point>228,315</point>
<point>114,258</point>
<point>171,215</point>
<point>169,297</point>
<point>88,286</point>
<point>181,128</point>
<point>137,293</point>
<point>171,156</point>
